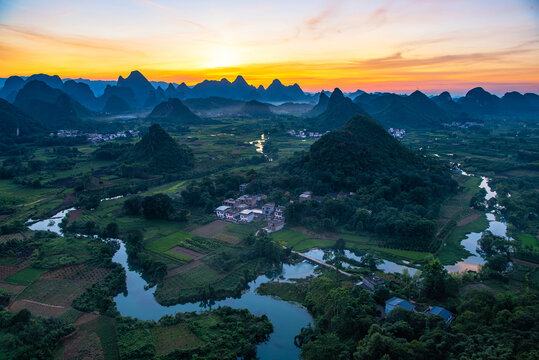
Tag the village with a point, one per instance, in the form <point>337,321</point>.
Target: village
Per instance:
<point>95,138</point>
<point>248,208</point>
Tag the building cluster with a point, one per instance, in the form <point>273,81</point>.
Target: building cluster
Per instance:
<point>95,137</point>
<point>463,125</point>
<point>305,134</point>
<point>398,133</point>
<point>248,208</point>
<point>372,282</point>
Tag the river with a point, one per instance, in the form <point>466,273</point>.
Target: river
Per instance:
<point>287,318</point>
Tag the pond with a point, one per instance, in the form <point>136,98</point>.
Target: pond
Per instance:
<point>387,266</point>
<point>470,243</point>
<point>287,318</point>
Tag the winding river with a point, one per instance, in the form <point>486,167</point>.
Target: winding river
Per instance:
<point>287,318</point>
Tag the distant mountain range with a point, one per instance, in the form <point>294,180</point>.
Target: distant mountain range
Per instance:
<point>57,103</point>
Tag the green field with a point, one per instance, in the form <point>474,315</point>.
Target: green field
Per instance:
<point>25,276</point>
<point>168,242</point>
<point>527,240</point>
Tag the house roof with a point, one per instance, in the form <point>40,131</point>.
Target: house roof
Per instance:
<point>374,280</point>
<point>246,212</point>
<point>398,302</point>
<point>440,311</point>
<point>223,208</point>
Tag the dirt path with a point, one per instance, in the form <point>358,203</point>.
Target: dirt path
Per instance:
<point>187,252</point>
<point>86,317</point>
<point>33,202</point>
<point>184,268</point>
<point>37,308</point>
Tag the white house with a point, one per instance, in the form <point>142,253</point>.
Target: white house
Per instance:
<point>232,215</point>
<point>221,211</point>
<point>247,215</point>
<point>279,213</point>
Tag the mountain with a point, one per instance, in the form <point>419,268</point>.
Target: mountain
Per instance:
<point>323,101</point>
<point>516,103</point>
<point>82,93</point>
<point>445,102</point>
<point>138,84</point>
<point>155,97</point>
<point>279,92</point>
<point>13,122</point>
<point>53,81</point>
<point>51,107</point>
<point>415,111</point>
<point>116,105</point>
<point>256,108</point>
<point>124,93</point>
<point>339,110</point>
<point>360,145</point>
<point>214,106</point>
<point>355,94</point>
<point>173,111</point>
<point>11,87</point>
<point>97,86</point>
<point>291,108</point>
<point>480,102</point>
<point>160,152</point>
<point>238,89</point>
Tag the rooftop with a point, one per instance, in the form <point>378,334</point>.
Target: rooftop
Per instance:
<point>440,311</point>
<point>395,301</point>
<point>223,208</point>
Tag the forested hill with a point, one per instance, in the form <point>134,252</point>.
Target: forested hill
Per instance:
<point>388,189</point>
<point>159,150</point>
<point>360,145</point>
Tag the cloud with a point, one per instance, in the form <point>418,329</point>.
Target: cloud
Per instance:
<point>313,22</point>
<point>78,41</point>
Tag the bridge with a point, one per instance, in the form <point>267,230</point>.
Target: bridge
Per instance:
<point>320,262</point>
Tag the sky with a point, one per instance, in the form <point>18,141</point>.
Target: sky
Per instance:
<point>383,45</point>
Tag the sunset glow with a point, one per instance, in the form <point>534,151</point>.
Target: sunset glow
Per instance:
<point>396,46</point>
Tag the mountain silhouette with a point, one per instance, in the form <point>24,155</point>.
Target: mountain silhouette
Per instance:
<point>51,107</point>
<point>173,111</point>
<point>116,105</point>
<point>14,122</point>
<point>158,150</point>
<point>11,87</point>
<point>323,101</point>
<point>339,110</point>
<point>138,84</point>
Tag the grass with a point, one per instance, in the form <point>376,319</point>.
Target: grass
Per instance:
<point>168,242</point>
<point>179,336</point>
<point>105,328</point>
<point>289,237</point>
<point>527,240</point>
<point>24,277</point>
<point>453,251</point>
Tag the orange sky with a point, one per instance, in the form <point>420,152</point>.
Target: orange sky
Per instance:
<point>394,45</point>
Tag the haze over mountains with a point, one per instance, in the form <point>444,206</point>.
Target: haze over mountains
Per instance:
<point>57,104</point>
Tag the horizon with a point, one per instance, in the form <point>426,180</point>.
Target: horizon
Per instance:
<point>392,46</point>
<point>455,94</point>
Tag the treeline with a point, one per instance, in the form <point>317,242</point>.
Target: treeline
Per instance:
<point>346,326</point>
<point>23,336</point>
<point>224,333</point>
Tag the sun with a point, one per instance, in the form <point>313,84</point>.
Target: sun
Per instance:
<point>222,56</point>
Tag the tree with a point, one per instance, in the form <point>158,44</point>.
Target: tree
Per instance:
<point>371,261</point>
<point>157,207</point>
<point>133,205</point>
<point>111,230</point>
<point>434,279</point>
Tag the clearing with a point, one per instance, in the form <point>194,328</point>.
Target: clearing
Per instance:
<point>211,229</point>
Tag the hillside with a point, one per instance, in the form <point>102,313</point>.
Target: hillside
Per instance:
<point>415,111</point>
<point>13,119</point>
<point>49,106</point>
<point>255,108</point>
<point>338,111</point>
<point>361,145</point>
<point>173,111</point>
<point>160,152</point>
